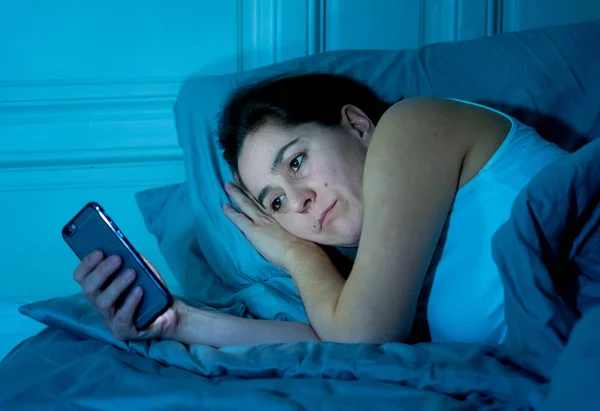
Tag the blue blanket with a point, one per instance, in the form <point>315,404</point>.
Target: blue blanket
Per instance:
<point>549,255</point>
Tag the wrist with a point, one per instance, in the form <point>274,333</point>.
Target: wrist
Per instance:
<point>195,325</point>
<point>181,313</point>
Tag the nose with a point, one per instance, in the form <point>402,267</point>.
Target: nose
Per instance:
<point>300,200</point>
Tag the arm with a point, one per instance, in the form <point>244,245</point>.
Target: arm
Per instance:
<point>412,172</point>
<point>216,329</point>
<point>180,322</point>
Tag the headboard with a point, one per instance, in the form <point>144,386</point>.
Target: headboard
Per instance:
<point>87,88</point>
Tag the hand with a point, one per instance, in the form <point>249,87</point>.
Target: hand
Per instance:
<point>94,275</point>
<point>268,237</point>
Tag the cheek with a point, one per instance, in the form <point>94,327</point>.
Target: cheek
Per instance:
<point>296,225</point>
<point>325,173</point>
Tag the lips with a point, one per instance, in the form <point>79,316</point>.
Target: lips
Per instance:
<point>325,213</point>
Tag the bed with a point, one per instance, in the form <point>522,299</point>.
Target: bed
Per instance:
<point>547,253</point>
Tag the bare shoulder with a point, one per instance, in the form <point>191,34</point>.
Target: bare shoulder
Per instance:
<point>449,130</point>
<point>435,116</point>
<point>415,163</point>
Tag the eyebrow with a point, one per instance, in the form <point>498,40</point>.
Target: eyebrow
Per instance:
<point>277,162</point>
<point>263,194</point>
<point>279,157</point>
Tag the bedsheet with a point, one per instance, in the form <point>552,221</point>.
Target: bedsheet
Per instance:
<point>549,255</point>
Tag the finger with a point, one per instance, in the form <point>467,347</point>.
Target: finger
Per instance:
<point>247,196</point>
<point>95,280</point>
<point>240,220</point>
<point>244,202</point>
<point>151,267</point>
<point>87,265</point>
<point>154,270</point>
<point>123,321</point>
<point>106,300</point>
<point>148,263</point>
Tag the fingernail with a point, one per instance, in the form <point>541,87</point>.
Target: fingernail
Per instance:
<point>129,274</point>
<point>96,256</point>
<point>114,260</point>
<point>137,292</point>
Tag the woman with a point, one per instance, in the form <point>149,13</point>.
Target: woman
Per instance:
<point>419,186</point>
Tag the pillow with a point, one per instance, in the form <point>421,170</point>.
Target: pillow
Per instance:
<point>168,217</point>
<point>545,78</point>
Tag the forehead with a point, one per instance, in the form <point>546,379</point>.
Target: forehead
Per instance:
<point>267,139</point>
<point>258,152</point>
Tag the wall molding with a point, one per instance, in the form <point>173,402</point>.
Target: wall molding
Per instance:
<point>315,27</point>
<point>12,92</point>
<point>86,109</point>
<point>257,33</point>
<point>510,15</point>
<point>454,20</point>
<point>87,122</point>
<point>130,119</point>
<point>271,31</point>
<point>439,21</point>
<point>422,22</point>
<point>103,176</point>
<point>90,158</point>
<point>79,123</point>
<point>494,17</point>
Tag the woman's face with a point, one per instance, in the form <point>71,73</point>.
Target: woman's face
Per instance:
<point>309,178</point>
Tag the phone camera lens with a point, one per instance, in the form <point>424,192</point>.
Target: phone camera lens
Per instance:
<point>70,230</point>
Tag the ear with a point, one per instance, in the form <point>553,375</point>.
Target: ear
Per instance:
<point>238,182</point>
<point>236,178</point>
<point>358,121</point>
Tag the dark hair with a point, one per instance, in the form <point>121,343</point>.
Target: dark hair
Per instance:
<point>292,101</point>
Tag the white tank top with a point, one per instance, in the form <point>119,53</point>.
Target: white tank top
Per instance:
<point>465,293</point>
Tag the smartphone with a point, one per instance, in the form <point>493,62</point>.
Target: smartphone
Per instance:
<point>92,229</point>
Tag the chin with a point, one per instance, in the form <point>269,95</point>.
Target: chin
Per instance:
<point>347,238</point>
<point>338,235</point>
<point>350,242</point>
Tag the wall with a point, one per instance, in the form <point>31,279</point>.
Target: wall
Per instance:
<point>86,90</point>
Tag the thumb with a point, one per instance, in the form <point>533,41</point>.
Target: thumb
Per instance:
<point>153,269</point>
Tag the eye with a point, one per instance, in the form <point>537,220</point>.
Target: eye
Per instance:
<point>276,204</point>
<point>296,163</point>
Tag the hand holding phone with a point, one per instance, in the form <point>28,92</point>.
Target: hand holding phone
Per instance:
<point>114,277</point>
<point>96,270</point>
